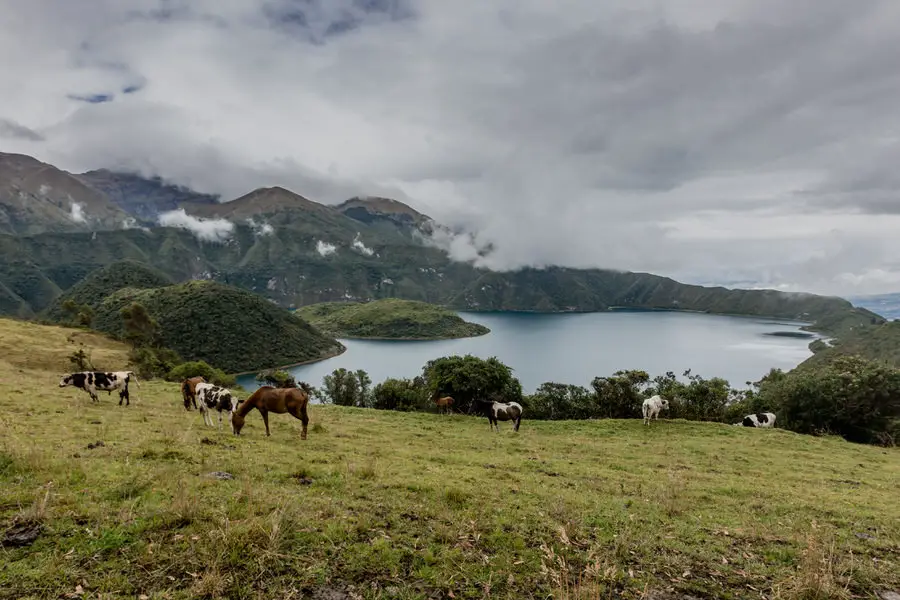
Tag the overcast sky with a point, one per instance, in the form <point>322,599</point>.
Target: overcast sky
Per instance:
<point>744,142</point>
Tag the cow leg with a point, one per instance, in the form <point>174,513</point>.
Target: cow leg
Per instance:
<point>94,397</point>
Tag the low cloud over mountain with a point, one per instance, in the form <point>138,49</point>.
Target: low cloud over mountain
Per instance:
<point>715,142</point>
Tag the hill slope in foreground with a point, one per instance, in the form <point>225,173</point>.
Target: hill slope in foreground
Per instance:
<point>390,318</point>
<point>414,506</point>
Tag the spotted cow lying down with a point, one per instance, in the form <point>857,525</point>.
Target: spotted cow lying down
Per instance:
<point>102,381</point>
<point>758,420</point>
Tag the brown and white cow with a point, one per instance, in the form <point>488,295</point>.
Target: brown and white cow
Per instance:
<point>103,381</point>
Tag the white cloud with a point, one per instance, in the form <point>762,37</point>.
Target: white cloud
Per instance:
<point>260,229</point>
<point>736,140</point>
<point>131,223</point>
<point>210,230</point>
<point>361,247</point>
<point>76,213</point>
<point>325,249</point>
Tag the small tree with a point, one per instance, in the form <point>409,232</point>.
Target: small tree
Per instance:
<point>620,396</point>
<point>401,394</point>
<point>469,378</point>
<point>276,378</point>
<point>81,315</point>
<point>555,401</point>
<point>80,359</point>
<point>141,330</point>
<point>147,356</point>
<point>347,388</point>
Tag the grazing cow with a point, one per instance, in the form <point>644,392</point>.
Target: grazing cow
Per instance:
<point>103,381</point>
<point>189,391</point>
<point>652,406</point>
<point>211,397</point>
<point>502,411</point>
<point>444,404</point>
<point>758,420</point>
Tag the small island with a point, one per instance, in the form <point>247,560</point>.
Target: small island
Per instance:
<point>389,319</point>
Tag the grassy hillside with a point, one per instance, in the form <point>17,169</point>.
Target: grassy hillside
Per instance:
<point>390,318</point>
<point>876,342</point>
<point>227,327</point>
<point>409,506</point>
<point>102,283</point>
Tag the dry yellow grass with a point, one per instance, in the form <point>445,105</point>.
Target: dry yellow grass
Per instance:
<point>394,505</point>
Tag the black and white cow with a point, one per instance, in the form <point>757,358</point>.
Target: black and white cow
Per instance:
<point>758,420</point>
<point>211,397</point>
<point>102,381</point>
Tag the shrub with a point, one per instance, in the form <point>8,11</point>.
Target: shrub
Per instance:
<point>554,401</point>
<point>620,396</point>
<point>855,398</point>
<point>149,362</point>
<point>277,378</point>
<point>201,368</point>
<point>401,394</point>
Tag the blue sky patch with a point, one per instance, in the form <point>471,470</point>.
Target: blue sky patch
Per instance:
<point>92,98</point>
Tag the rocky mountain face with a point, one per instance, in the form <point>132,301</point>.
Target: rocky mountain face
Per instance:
<point>143,198</point>
<point>36,197</point>
<point>295,251</point>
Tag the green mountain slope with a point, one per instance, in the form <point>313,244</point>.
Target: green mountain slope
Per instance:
<point>230,328</point>
<point>876,342</point>
<point>102,283</point>
<point>390,318</point>
<point>288,266</point>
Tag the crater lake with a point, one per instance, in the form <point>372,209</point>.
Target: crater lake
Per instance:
<point>576,347</point>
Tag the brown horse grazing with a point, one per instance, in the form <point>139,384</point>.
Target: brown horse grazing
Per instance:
<point>189,391</point>
<point>445,403</point>
<point>277,400</point>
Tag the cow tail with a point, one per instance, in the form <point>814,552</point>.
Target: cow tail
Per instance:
<point>135,378</point>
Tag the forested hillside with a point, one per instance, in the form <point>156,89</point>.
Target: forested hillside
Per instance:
<point>390,318</point>
<point>227,327</point>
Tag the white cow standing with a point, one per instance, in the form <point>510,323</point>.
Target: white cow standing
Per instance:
<point>652,406</point>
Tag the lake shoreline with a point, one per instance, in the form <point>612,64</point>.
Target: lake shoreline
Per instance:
<point>552,347</point>
<point>293,365</point>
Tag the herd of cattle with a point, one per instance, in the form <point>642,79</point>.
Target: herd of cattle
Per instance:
<point>206,397</point>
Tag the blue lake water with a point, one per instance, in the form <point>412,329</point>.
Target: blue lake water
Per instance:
<point>575,348</point>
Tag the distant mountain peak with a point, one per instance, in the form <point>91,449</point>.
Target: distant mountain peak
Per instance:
<point>143,197</point>
<point>36,197</point>
<point>368,209</point>
<point>261,201</point>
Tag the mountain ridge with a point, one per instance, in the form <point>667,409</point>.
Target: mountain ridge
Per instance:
<point>295,251</point>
